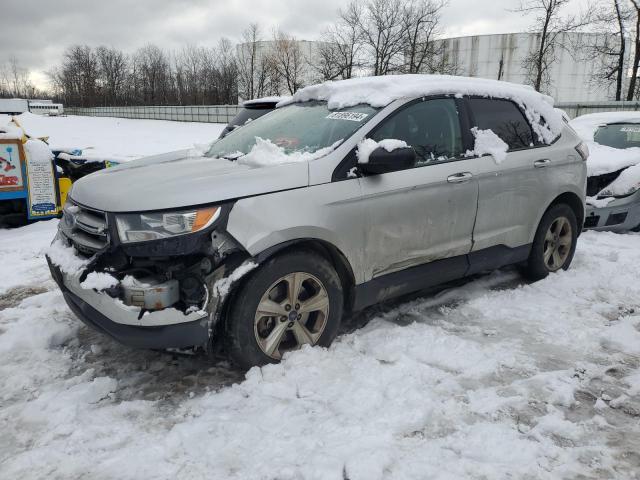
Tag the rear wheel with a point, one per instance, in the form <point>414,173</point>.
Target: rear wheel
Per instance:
<point>292,300</point>
<point>554,244</point>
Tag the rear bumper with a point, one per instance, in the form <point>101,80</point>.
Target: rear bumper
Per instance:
<point>167,328</point>
<point>620,215</point>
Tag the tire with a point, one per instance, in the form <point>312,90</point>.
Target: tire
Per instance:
<point>250,335</point>
<point>557,227</point>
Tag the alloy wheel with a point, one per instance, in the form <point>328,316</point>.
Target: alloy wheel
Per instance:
<point>292,312</point>
<point>557,244</point>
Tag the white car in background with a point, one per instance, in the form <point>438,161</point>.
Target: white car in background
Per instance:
<point>613,169</point>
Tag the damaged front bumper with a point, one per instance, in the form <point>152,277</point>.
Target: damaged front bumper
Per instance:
<point>618,215</point>
<point>168,328</point>
<point>162,293</point>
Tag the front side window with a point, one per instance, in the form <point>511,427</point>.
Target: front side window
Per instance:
<point>431,127</point>
<point>300,127</point>
<point>618,135</point>
<point>505,119</point>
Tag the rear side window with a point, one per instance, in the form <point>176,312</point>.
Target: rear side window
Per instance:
<point>505,119</point>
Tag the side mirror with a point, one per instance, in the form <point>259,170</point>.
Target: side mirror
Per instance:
<point>382,161</point>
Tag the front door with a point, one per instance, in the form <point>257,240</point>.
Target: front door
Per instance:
<point>425,213</point>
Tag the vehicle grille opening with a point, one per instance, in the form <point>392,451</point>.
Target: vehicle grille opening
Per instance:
<point>597,183</point>
<point>616,218</point>
<point>592,221</point>
<point>86,229</point>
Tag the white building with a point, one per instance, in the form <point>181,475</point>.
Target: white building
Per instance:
<point>501,57</point>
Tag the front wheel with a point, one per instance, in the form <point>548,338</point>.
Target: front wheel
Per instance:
<point>554,243</point>
<point>292,300</point>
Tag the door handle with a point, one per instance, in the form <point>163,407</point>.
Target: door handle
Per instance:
<point>542,163</point>
<point>460,177</point>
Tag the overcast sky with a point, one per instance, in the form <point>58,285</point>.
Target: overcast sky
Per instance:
<point>38,31</point>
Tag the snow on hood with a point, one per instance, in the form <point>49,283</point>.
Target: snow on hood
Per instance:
<point>380,91</point>
<point>603,159</point>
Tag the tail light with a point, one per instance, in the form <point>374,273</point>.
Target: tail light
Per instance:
<point>583,150</point>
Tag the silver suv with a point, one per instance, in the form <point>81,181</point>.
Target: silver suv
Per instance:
<point>319,209</point>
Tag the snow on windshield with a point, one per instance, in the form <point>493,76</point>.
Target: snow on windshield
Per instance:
<point>380,91</point>
<point>265,153</point>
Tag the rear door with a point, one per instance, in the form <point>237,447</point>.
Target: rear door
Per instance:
<point>425,213</point>
<point>511,192</point>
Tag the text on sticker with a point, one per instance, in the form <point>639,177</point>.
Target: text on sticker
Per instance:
<point>353,116</point>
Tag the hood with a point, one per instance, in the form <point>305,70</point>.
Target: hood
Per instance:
<point>182,179</point>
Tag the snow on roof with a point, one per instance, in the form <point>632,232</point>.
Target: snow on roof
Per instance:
<point>381,91</point>
<point>603,159</point>
<point>273,100</point>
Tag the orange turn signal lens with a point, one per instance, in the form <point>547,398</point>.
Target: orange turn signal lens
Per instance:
<point>204,218</point>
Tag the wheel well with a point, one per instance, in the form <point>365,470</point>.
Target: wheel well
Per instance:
<point>330,253</point>
<point>576,204</point>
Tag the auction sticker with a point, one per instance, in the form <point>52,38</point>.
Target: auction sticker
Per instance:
<point>352,116</point>
<point>41,179</point>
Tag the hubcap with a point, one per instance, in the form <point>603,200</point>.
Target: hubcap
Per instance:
<point>557,244</point>
<point>293,311</point>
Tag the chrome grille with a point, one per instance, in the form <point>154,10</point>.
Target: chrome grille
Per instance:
<point>86,229</point>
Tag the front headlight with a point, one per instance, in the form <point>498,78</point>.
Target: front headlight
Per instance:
<point>142,227</point>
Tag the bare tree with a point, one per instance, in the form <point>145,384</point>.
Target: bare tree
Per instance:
<point>113,67</point>
<point>152,75</point>
<point>288,61</point>
<point>551,28</point>
<point>635,14</point>
<point>338,54</point>
<point>421,25</point>
<point>381,26</point>
<point>250,71</point>
<point>14,80</point>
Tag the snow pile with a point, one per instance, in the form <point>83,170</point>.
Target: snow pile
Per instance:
<point>99,281</point>
<point>368,145</point>
<point>272,99</point>
<point>221,287</point>
<point>380,91</point>
<point>65,258</point>
<point>10,131</point>
<point>38,150</point>
<point>487,142</point>
<point>477,381</point>
<point>116,139</point>
<point>266,153</point>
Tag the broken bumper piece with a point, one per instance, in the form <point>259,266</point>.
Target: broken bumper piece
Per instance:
<point>168,328</point>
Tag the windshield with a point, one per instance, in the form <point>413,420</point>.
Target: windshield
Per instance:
<point>297,128</point>
<point>619,135</point>
<point>248,114</point>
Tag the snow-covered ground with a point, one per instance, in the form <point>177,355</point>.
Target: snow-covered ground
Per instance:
<point>118,139</point>
<point>494,378</point>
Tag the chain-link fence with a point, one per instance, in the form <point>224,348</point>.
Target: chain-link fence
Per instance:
<point>189,113</point>
<point>576,109</point>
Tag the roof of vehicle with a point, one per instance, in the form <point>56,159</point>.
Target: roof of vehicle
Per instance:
<point>586,125</point>
<point>381,91</point>
<point>265,102</point>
